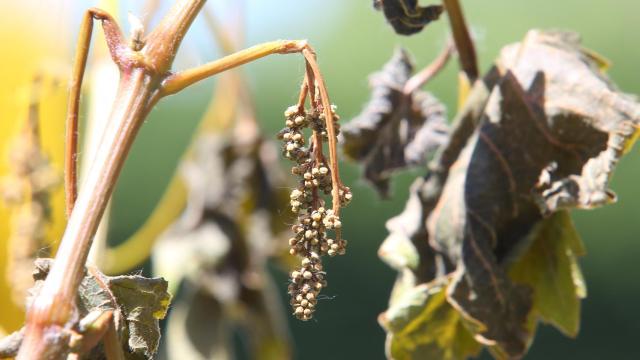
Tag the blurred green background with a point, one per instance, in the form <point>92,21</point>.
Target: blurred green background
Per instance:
<point>353,40</point>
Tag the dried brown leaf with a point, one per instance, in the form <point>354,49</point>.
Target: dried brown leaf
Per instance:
<point>217,251</point>
<point>395,130</point>
<point>406,16</point>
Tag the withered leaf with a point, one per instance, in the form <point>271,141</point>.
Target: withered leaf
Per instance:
<point>546,138</point>
<point>230,228</point>
<point>395,130</point>
<point>143,301</point>
<point>406,16</point>
<point>138,303</point>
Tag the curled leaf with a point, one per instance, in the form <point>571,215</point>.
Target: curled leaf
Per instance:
<point>137,303</point>
<point>406,16</point>
<point>395,130</point>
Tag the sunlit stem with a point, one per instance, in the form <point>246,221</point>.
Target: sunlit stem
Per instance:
<point>183,79</point>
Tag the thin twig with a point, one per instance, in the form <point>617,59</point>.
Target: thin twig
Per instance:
<point>462,39</point>
<point>309,55</point>
<point>71,136</point>
<point>425,75</point>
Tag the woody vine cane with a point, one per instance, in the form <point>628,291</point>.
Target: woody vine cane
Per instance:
<point>145,78</point>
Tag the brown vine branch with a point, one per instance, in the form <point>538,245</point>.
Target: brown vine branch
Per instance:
<point>80,62</point>
<point>141,72</point>
<point>310,57</point>
<point>425,75</point>
<point>462,39</point>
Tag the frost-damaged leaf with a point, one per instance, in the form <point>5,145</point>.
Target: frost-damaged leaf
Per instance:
<point>547,138</point>
<point>550,267</point>
<point>406,16</point>
<point>584,113</point>
<point>422,325</point>
<point>143,301</point>
<point>395,130</point>
<point>137,304</point>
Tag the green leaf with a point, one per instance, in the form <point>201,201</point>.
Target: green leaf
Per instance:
<point>551,268</point>
<point>422,325</point>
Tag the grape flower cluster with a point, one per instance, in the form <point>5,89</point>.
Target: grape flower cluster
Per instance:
<point>310,240</point>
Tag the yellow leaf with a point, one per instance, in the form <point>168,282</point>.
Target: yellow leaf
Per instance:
<point>421,324</point>
<point>551,268</point>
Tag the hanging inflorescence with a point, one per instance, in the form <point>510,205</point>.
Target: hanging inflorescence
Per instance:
<point>311,240</point>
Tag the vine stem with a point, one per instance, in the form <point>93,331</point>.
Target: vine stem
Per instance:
<point>425,75</point>
<point>141,74</point>
<point>310,57</point>
<point>464,44</point>
<point>177,82</point>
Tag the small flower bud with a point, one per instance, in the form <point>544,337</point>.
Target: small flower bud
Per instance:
<point>291,110</point>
